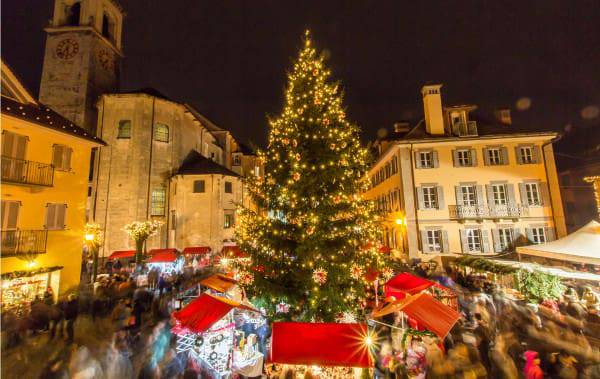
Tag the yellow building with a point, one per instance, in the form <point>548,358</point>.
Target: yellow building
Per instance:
<point>45,168</point>
<point>458,184</point>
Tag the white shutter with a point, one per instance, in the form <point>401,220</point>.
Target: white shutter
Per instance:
<point>504,152</point>
<point>61,210</point>
<point>490,194</point>
<point>8,143</point>
<point>523,194</point>
<point>420,198</point>
<point>459,195</point>
<point>486,156</point>
<point>455,158</point>
<point>516,236</point>
<point>479,191</point>
<point>435,161</point>
<point>535,151</point>
<point>445,244</point>
<point>485,239</point>
<point>463,241</point>
<point>510,193</point>
<point>439,191</point>
<point>496,240</point>
<point>424,244</point>
<point>529,235</point>
<point>550,234</point>
<point>50,216</point>
<point>474,157</point>
<point>67,159</point>
<point>518,155</point>
<point>10,214</point>
<point>417,160</point>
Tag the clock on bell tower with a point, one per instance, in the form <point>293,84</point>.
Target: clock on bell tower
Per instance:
<point>82,57</point>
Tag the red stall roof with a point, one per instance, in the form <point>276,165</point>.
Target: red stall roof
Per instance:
<point>162,255</point>
<point>122,254</point>
<point>199,315</point>
<point>427,311</point>
<point>233,252</point>
<point>324,344</point>
<point>404,283</point>
<point>199,250</point>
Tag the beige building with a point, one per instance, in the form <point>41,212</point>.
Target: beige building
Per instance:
<point>166,162</point>
<point>457,184</point>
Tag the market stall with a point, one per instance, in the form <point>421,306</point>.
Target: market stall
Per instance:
<point>211,330</point>
<point>405,284</point>
<point>165,260</point>
<point>580,247</point>
<point>20,288</point>
<point>122,254</point>
<point>197,257</point>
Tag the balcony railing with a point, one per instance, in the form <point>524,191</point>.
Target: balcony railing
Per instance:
<point>23,242</point>
<point>465,129</point>
<point>467,212</point>
<point>27,172</point>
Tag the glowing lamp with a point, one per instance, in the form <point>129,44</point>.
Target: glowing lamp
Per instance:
<point>89,237</point>
<point>31,264</point>
<point>368,341</point>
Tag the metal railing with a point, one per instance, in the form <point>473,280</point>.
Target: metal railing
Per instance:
<point>27,172</point>
<point>23,242</point>
<point>464,129</point>
<point>465,212</point>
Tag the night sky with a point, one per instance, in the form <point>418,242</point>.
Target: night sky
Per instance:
<point>228,58</point>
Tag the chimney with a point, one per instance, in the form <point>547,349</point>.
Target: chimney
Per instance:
<point>401,127</point>
<point>503,115</point>
<point>432,105</point>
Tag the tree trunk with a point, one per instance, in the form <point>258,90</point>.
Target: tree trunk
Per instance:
<point>139,251</point>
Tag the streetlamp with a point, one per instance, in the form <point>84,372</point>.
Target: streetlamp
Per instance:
<point>93,240</point>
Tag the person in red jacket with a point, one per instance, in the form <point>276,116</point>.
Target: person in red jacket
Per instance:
<point>532,368</point>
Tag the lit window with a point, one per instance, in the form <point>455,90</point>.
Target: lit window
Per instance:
<point>158,202</point>
<point>434,240</point>
<point>228,187</point>
<point>526,154</point>
<point>494,156</point>
<point>473,239</point>
<point>55,216</point>
<point>499,193</point>
<point>469,197</point>
<point>464,158</point>
<point>61,157</point>
<point>533,194</point>
<point>425,159</point>
<point>161,133</point>
<point>538,235</point>
<point>228,221</point>
<point>505,238</point>
<point>429,197</point>
<point>124,129</point>
<point>199,186</point>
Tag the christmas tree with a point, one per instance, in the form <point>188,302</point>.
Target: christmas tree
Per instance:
<point>310,235</point>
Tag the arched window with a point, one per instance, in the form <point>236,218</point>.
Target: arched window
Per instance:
<point>73,14</point>
<point>124,129</point>
<point>161,133</point>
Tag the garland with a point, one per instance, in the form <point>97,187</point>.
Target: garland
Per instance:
<point>482,264</point>
<point>24,273</point>
<point>415,333</point>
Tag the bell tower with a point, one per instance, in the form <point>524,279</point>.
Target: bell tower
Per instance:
<point>82,58</point>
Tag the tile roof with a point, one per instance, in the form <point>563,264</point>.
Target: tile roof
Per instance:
<point>45,117</point>
<point>196,164</point>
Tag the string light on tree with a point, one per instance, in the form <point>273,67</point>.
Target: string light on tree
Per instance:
<point>312,232</point>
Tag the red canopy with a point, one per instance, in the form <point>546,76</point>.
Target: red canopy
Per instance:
<point>122,254</point>
<point>199,315</point>
<point>324,344</point>
<point>426,311</point>
<point>199,250</point>
<point>406,283</point>
<point>233,252</point>
<point>162,256</point>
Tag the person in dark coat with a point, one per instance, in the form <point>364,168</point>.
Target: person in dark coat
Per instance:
<point>71,311</point>
<point>138,310</point>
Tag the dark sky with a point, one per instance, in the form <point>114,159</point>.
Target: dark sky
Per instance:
<point>229,57</point>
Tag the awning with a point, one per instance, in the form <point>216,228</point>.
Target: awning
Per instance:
<point>558,271</point>
<point>199,315</point>
<point>406,283</point>
<point>219,282</point>
<point>196,250</point>
<point>233,252</point>
<point>581,246</point>
<point>427,311</point>
<point>162,256</point>
<point>323,344</point>
<point>122,254</point>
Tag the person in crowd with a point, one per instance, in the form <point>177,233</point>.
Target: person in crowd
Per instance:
<point>482,334</point>
<point>49,296</point>
<point>502,364</point>
<point>117,266</point>
<point>71,311</point>
<point>532,368</point>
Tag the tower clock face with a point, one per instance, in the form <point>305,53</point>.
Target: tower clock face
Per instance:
<point>67,49</point>
<point>105,59</point>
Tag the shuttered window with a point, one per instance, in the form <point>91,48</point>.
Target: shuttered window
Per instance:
<point>158,202</point>
<point>538,235</point>
<point>532,193</point>
<point>473,239</point>
<point>61,157</point>
<point>499,194</point>
<point>10,214</point>
<point>14,145</point>
<point>55,216</point>
<point>434,240</point>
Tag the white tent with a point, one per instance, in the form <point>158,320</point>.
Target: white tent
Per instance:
<point>582,246</point>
